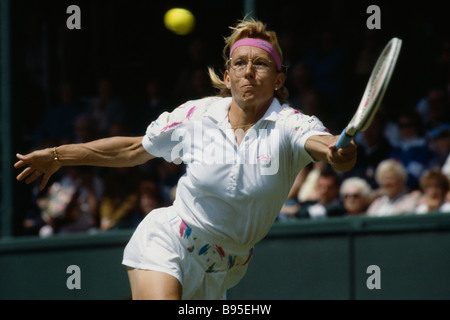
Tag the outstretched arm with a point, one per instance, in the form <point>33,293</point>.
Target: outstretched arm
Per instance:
<point>108,152</point>
<point>323,148</point>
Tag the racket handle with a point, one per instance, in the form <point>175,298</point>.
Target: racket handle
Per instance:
<point>344,140</point>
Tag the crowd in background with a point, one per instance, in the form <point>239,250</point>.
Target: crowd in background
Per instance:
<point>403,162</point>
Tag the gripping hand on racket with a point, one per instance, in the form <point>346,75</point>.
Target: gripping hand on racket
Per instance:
<point>323,148</point>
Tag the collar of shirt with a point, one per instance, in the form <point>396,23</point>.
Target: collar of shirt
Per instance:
<point>219,113</point>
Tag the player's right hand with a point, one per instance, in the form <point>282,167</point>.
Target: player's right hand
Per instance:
<point>343,159</point>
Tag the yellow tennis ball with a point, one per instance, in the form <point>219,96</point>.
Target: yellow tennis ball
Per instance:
<point>179,21</point>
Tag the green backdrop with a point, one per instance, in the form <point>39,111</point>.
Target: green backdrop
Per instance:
<point>309,259</point>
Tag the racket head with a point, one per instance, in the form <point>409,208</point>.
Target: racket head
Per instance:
<point>375,88</point>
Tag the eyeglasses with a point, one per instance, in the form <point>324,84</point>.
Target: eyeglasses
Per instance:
<point>350,195</point>
<point>239,65</point>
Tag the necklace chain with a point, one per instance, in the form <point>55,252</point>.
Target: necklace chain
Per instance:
<point>239,127</point>
<point>243,126</point>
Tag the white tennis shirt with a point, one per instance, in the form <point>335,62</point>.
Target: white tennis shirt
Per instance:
<point>231,194</point>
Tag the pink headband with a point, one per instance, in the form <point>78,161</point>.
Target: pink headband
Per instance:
<point>258,43</point>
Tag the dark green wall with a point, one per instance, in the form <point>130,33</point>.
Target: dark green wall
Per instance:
<point>36,268</point>
<point>329,260</point>
<point>300,260</point>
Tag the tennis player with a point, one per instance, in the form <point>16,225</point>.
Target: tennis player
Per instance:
<point>243,150</point>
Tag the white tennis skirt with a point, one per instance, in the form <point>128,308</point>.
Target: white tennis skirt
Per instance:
<point>163,242</point>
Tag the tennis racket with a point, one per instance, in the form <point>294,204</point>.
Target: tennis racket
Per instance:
<point>373,94</point>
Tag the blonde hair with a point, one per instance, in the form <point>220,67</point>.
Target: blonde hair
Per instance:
<point>360,184</point>
<point>391,165</point>
<point>247,28</point>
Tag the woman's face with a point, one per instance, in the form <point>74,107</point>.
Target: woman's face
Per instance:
<point>252,77</point>
<point>354,201</point>
<point>434,194</point>
<point>391,183</point>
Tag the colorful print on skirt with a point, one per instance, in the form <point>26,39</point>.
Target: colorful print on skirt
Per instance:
<point>212,256</point>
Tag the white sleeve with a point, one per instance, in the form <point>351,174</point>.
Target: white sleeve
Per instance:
<point>302,127</point>
<point>160,139</point>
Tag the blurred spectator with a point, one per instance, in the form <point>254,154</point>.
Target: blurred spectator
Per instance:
<point>198,85</point>
<point>291,205</point>
<point>440,144</point>
<point>55,207</point>
<point>72,203</point>
<point>446,171</point>
<point>356,195</point>
<point>33,219</point>
<point>150,108</point>
<point>192,78</point>
<point>328,203</point>
<point>435,108</point>
<point>435,186</point>
<point>168,175</point>
<point>119,203</point>
<point>149,197</point>
<point>303,190</point>
<point>56,125</point>
<point>312,103</point>
<point>84,129</point>
<point>412,149</point>
<point>394,199</point>
<point>301,82</point>
<point>308,189</point>
<point>365,55</point>
<point>105,108</point>
<point>366,58</point>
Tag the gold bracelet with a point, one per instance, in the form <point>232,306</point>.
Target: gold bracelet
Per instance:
<point>55,154</point>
